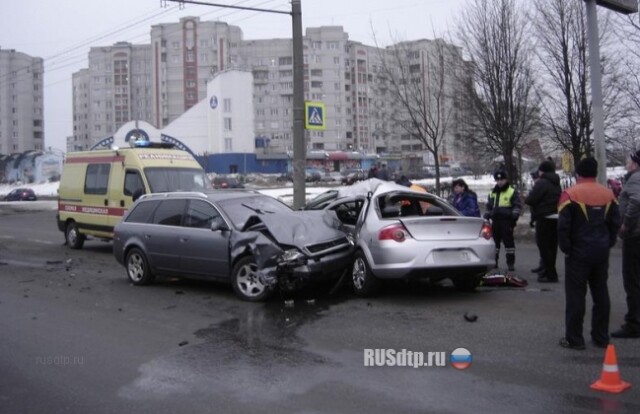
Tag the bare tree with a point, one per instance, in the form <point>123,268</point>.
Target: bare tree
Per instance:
<point>628,31</point>
<point>418,76</point>
<point>502,97</point>
<point>561,31</point>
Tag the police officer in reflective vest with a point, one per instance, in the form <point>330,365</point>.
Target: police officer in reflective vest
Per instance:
<point>503,209</point>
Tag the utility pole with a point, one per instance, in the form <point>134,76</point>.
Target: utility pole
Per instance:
<point>620,6</point>
<point>299,142</point>
<point>596,91</point>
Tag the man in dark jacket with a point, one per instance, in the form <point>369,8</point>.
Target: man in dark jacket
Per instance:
<point>543,199</point>
<point>503,208</point>
<point>630,233</point>
<point>588,224</point>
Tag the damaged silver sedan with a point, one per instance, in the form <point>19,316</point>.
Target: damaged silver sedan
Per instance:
<point>254,241</point>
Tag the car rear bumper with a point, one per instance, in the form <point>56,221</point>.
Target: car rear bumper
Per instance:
<point>441,262</point>
<point>432,272</point>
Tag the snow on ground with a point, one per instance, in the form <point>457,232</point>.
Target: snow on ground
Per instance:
<point>481,185</point>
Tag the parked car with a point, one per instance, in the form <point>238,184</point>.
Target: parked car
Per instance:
<point>459,171</point>
<point>351,176</point>
<point>251,240</point>
<point>313,175</point>
<point>21,194</point>
<point>400,233</point>
<point>221,182</point>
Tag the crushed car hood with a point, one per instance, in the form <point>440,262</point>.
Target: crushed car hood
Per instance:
<point>302,228</point>
<point>267,235</point>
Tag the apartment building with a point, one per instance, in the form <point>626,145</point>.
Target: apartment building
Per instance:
<point>115,89</point>
<point>362,113</point>
<point>21,102</point>
<point>185,56</point>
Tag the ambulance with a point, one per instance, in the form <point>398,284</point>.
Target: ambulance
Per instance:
<point>97,187</point>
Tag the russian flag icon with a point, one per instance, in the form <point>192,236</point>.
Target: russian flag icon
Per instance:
<point>460,358</point>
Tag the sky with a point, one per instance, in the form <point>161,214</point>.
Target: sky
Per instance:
<point>61,32</point>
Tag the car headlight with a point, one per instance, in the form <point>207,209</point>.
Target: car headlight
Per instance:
<point>292,256</point>
<point>351,239</point>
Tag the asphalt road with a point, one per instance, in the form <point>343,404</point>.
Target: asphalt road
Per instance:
<point>76,337</point>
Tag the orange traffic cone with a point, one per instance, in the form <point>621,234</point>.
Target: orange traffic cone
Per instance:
<point>610,378</point>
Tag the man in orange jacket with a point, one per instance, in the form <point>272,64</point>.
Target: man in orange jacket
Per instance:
<point>588,224</point>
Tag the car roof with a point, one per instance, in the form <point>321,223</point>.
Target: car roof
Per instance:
<point>213,195</point>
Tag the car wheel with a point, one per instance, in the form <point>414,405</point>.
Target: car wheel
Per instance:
<point>468,283</point>
<point>246,282</point>
<point>138,269</point>
<point>72,235</point>
<point>364,282</point>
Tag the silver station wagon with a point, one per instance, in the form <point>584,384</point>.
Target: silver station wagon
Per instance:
<point>251,240</point>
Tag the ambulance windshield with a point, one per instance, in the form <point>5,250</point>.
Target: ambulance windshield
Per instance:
<point>162,180</point>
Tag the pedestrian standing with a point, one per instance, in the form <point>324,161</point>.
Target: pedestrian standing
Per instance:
<point>383,173</point>
<point>543,200</point>
<point>503,209</point>
<point>630,234</point>
<point>532,224</point>
<point>588,224</point>
<point>464,200</point>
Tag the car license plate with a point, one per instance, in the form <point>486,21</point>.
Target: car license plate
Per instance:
<point>452,256</point>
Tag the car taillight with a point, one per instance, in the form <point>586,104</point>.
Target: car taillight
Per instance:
<point>486,231</point>
<point>396,232</point>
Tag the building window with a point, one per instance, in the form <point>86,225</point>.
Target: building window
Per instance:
<point>228,144</point>
<point>226,104</point>
<point>227,124</point>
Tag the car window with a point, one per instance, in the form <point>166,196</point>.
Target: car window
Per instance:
<point>97,178</point>
<point>142,212</point>
<point>200,214</point>
<point>132,182</point>
<point>169,212</point>
<point>393,205</point>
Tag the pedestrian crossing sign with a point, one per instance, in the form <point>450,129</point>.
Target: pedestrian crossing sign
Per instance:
<point>314,115</point>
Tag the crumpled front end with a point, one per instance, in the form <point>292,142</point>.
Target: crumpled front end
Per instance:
<point>294,249</point>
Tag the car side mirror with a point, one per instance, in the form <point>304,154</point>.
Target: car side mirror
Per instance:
<point>137,194</point>
<point>219,224</point>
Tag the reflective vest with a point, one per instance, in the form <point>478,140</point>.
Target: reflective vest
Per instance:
<point>505,198</point>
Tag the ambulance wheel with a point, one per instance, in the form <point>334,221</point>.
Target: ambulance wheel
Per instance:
<point>246,282</point>
<point>73,237</point>
<point>138,269</point>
